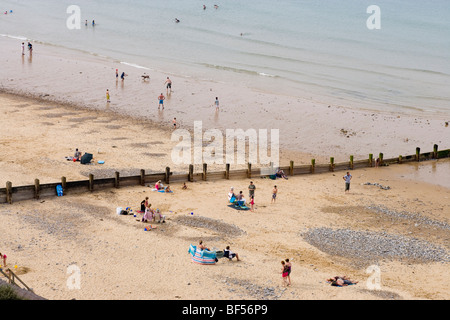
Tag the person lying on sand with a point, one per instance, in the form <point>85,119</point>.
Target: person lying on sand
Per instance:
<point>338,281</point>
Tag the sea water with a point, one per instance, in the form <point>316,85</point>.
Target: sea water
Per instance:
<point>321,50</point>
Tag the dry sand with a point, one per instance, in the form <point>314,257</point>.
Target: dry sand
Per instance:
<point>119,260</point>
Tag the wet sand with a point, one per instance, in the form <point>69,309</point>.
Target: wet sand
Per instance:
<point>312,128</point>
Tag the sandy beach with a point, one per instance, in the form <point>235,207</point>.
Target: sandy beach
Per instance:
<point>53,103</point>
<point>119,260</point>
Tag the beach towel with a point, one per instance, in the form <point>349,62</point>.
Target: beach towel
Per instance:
<point>164,191</point>
<point>237,207</point>
<point>204,257</point>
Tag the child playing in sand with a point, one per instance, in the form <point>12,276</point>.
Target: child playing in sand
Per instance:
<point>274,194</point>
<point>184,187</point>
<point>252,203</point>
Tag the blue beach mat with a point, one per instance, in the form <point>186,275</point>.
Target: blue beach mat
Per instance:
<point>237,207</point>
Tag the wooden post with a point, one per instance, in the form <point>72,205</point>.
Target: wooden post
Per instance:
<point>380,156</point>
<point>331,164</point>
<point>227,171</point>
<point>313,165</point>
<point>370,159</point>
<point>351,162</point>
<point>91,182</point>
<point>291,168</point>
<point>400,159</point>
<point>435,151</point>
<point>191,173</point>
<point>37,189</point>
<point>116,179</point>
<point>249,170</point>
<point>167,175</point>
<point>142,177</point>
<point>417,154</point>
<point>205,169</point>
<point>9,192</point>
<point>64,184</point>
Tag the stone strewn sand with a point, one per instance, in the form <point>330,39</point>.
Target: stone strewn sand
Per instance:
<point>119,260</point>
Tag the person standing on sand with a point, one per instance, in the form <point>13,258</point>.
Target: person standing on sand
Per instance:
<point>347,179</point>
<point>289,267</point>
<point>161,100</point>
<point>284,273</point>
<point>3,257</point>
<point>252,204</point>
<point>251,190</point>
<point>108,96</point>
<point>23,48</point>
<point>168,84</point>
<point>274,194</point>
<point>174,121</point>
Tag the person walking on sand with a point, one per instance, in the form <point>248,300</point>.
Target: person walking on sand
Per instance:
<point>347,179</point>
<point>108,96</point>
<point>23,48</point>
<point>217,104</point>
<point>174,121</point>
<point>168,84</point>
<point>274,194</point>
<point>161,100</point>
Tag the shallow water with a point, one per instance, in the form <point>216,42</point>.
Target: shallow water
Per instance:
<point>319,50</point>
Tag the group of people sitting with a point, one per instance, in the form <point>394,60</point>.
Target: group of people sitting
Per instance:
<point>151,214</point>
<point>238,198</point>
<point>160,187</point>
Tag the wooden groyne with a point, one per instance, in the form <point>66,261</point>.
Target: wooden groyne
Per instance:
<point>37,191</point>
